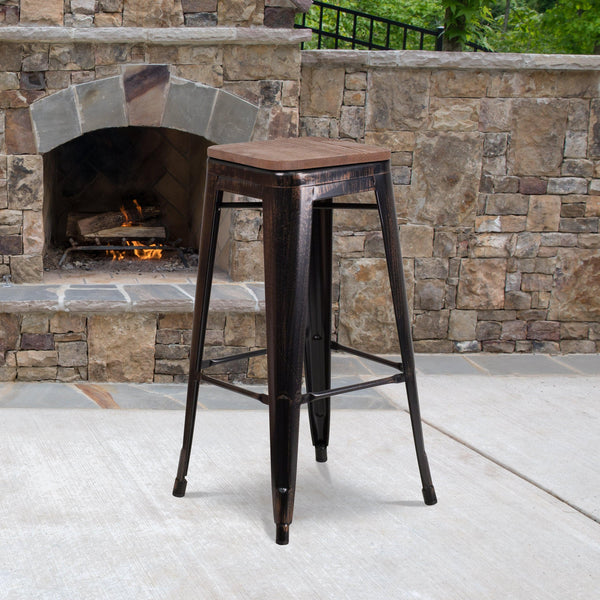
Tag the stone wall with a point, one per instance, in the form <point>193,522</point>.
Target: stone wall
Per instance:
<point>496,166</point>
<point>154,13</point>
<point>136,347</point>
<point>495,159</point>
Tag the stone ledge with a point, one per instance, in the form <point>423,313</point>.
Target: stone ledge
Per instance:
<point>197,36</point>
<point>141,298</point>
<point>421,59</point>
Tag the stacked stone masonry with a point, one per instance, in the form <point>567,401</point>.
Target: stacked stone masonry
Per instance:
<point>496,168</point>
<point>156,13</point>
<point>136,332</point>
<point>70,347</point>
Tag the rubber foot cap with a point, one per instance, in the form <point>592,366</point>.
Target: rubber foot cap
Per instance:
<point>282,537</point>
<point>321,453</point>
<point>429,495</point>
<point>179,488</point>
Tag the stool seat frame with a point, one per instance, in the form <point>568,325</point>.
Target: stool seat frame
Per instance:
<point>297,238</point>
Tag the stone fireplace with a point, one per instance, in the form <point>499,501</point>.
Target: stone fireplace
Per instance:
<point>103,103</point>
<point>139,137</point>
<point>140,132</point>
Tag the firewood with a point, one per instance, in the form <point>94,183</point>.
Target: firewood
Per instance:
<point>107,220</point>
<point>90,225</point>
<point>130,233</point>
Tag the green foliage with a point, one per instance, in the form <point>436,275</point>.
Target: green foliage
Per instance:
<point>537,26</point>
<point>419,13</point>
<point>566,27</point>
<point>523,28</point>
<point>572,26</point>
<point>541,5</point>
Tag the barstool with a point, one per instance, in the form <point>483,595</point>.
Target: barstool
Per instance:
<point>296,181</point>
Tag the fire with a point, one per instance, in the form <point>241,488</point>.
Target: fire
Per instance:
<point>152,253</point>
<point>128,222</point>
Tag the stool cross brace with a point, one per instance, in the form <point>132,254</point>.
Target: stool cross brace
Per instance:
<point>309,396</point>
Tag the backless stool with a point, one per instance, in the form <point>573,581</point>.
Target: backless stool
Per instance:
<point>296,181</point>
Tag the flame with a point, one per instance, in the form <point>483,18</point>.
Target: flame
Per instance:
<point>153,253</point>
<point>127,222</point>
<point>138,207</point>
<point>148,254</point>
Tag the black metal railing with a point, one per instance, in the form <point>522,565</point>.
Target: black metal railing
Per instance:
<point>335,27</point>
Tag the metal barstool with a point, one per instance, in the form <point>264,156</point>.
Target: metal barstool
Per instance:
<point>296,181</point>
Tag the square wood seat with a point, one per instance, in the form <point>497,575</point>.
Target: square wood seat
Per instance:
<point>297,154</point>
<point>295,182</point>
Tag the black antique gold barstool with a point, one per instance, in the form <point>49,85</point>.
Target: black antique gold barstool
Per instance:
<point>296,181</point>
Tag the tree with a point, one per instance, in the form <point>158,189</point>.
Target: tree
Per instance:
<point>551,26</point>
<point>465,21</point>
<point>522,29</point>
<point>573,26</point>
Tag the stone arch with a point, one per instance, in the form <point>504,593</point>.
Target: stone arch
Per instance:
<point>143,96</point>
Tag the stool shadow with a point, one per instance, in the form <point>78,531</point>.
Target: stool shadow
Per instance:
<point>334,499</point>
<point>201,494</point>
<point>407,503</point>
<point>323,469</point>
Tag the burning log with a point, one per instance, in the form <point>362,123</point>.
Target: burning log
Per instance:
<point>88,226</point>
<point>104,224</point>
<point>133,232</point>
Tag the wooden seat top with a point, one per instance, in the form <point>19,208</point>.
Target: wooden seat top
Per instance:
<point>296,154</point>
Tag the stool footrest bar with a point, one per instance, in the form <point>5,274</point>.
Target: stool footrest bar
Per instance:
<point>344,205</point>
<point>240,205</point>
<point>368,356</point>
<point>316,206</point>
<point>211,362</point>
<point>234,388</point>
<point>311,396</point>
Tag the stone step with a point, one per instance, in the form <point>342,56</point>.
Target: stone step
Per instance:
<point>123,297</point>
<point>137,333</point>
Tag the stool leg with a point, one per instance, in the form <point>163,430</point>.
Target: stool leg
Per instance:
<point>391,241</point>
<point>206,259</point>
<point>287,230</point>
<point>318,336</point>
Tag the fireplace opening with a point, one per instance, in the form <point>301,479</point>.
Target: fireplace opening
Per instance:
<point>124,199</point>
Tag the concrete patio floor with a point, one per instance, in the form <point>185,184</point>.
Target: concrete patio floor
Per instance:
<point>86,509</point>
